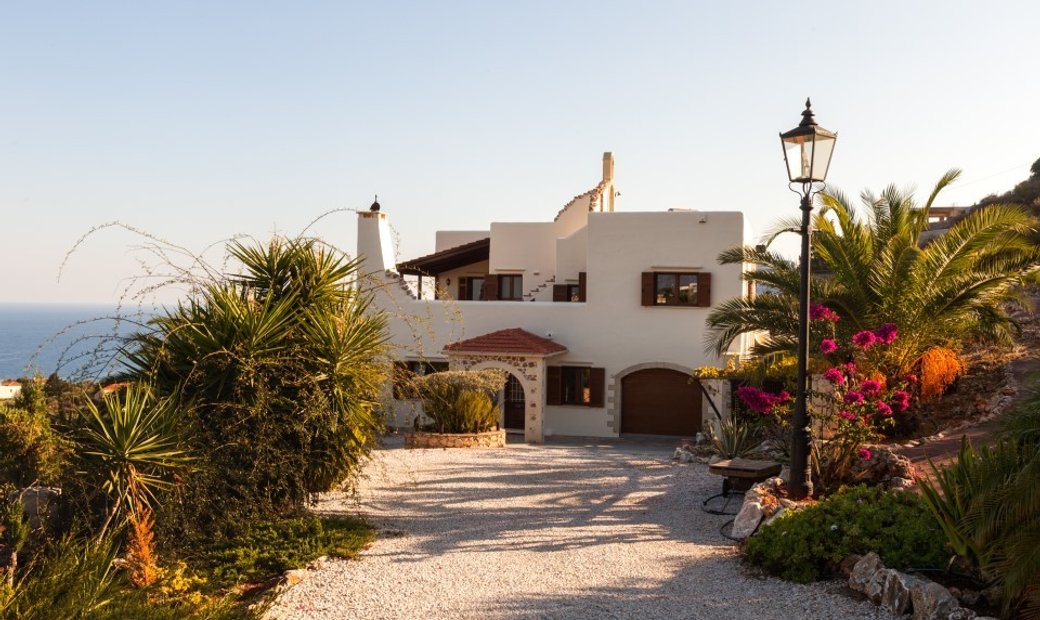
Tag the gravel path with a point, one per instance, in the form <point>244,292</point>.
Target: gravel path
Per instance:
<point>557,531</point>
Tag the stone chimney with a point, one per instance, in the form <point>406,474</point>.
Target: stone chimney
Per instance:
<point>608,167</point>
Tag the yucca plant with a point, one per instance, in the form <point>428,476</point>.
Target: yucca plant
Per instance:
<point>880,270</point>
<point>730,438</point>
<point>134,441</point>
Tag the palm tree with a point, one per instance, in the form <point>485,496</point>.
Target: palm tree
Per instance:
<point>878,270</point>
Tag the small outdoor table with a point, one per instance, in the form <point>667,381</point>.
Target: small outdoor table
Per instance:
<point>739,475</point>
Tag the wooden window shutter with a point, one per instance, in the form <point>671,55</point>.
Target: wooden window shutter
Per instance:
<point>560,292</point>
<point>648,288</point>
<point>463,288</point>
<point>553,385</point>
<point>582,286</point>
<point>490,287</point>
<point>597,387</point>
<point>704,290</point>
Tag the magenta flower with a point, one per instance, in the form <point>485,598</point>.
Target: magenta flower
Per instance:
<point>782,397</point>
<point>910,378</point>
<point>853,397</point>
<point>883,409</point>
<point>755,399</point>
<point>834,375</point>
<point>870,387</point>
<point>827,345</point>
<point>820,312</point>
<point>900,400</point>
<point>848,415</point>
<point>850,367</point>
<point>864,453</point>
<point>864,339</point>
<point>887,333</point>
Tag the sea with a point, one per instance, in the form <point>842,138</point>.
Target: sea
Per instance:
<point>76,341</point>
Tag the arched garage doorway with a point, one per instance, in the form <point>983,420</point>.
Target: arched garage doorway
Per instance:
<point>660,401</point>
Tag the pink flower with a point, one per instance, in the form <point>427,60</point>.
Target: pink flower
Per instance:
<point>853,397</point>
<point>864,453</point>
<point>900,400</point>
<point>864,339</point>
<point>827,345</point>
<point>848,415</point>
<point>850,367</point>
<point>782,397</point>
<point>883,409</point>
<point>820,312</point>
<point>761,401</point>
<point>834,375</point>
<point>887,333</point>
<point>870,387</point>
<point>910,378</point>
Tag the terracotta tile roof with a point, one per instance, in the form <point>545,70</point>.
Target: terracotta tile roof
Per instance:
<point>513,340</point>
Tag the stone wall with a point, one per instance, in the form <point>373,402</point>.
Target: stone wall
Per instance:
<point>490,439</point>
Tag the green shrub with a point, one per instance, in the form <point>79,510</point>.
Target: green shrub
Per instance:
<point>260,550</point>
<point>75,580</point>
<point>807,545</point>
<point>988,505</point>
<point>31,451</point>
<point>461,401</point>
<point>279,370</point>
<point>732,438</point>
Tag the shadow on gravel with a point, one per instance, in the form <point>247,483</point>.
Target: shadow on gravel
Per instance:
<point>545,499</point>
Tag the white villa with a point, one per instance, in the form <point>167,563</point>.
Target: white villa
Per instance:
<point>598,315</point>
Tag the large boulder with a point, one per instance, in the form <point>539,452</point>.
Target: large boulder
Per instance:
<point>895,592</point>
<point>747,520</point>
<point>864,577</point>
<point>932,601</point>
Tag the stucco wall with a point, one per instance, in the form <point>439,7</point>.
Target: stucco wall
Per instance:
<point>447,239</point>
<point>526,246</point>
<point>571,253</point>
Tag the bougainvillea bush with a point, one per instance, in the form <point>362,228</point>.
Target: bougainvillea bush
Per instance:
<point>856,403</point>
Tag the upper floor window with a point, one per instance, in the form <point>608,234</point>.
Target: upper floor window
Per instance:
<point>471,288</point>
<point>571,292</point>
<point>666,288</point>
<point>511,287</point>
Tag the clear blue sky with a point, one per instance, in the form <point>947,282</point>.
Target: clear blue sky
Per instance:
<point>196,121</point>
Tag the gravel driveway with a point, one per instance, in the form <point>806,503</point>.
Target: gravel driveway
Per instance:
<point>558,531</point>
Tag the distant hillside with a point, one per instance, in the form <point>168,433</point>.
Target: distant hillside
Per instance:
<point>1026,193</point>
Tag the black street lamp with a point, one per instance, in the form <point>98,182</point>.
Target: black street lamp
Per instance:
<point>807,152</point>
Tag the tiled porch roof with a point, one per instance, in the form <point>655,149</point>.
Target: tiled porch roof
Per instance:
<point>515,341</point>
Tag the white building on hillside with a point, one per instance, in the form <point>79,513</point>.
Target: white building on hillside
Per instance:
<point>598,315</point>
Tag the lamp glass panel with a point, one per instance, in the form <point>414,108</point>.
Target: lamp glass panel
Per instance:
<point>822,159</point>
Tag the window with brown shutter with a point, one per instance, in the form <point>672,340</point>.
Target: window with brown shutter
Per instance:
<point>670,288</point>
<point>582,286</point>
<point>560,292</point>
<point>575,385</point>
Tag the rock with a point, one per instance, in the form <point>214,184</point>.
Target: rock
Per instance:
<point>786,503</point>
<point>747,520</point>
<point>864,571</point>
<point>687,457</point>
<point>293,577</point>
<point>969,597</point>
<point>715,458</point>
<point>699,439</point>
<point>1009,390</point>
<point>901,484</point>
<point>848,564</point>
<point>677,454</point>
<point>895,592</point>
<point>774,516</point>
<point>931,601</point>
<point>36,502</point>
<point>961,613</point>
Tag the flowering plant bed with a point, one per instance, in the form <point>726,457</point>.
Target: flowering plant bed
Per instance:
<point>489,439</point>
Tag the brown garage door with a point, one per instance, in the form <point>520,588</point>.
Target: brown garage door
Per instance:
<point>659,401</point>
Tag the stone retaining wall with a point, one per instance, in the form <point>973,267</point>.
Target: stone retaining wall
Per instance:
<point>490,439</point>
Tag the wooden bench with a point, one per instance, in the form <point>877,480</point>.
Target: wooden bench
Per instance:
<point>739,475</point>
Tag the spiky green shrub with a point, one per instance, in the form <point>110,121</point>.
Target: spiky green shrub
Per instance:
<point>461,401</point>
<point>988,505</point>
<point>732,438</point>
<point>809,544</point>
<point>278,370</point>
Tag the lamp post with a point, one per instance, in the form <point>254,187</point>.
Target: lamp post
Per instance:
<point>807,153</point>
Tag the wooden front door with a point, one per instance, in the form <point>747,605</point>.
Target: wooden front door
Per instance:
<point>659,401</point>
<point>514,404</point>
